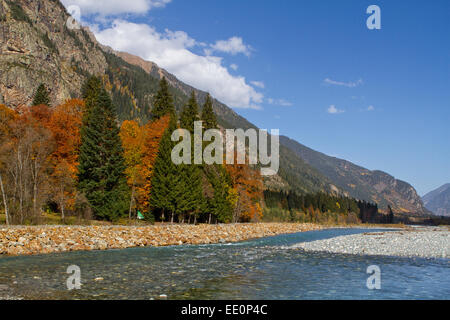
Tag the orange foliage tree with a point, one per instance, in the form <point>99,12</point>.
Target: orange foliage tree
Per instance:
<point>141,146</point>
<point>7,116</point>
<point>25,155</point>
<point>132,135</point>
<point>248,186</point>
<point>65,124</point>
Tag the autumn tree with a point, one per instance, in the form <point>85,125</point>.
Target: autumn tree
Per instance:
<point>7,116</point>
<point>25,158</point>
<point>65,125</point>
<point>248,184</point>
<point>132,136</point>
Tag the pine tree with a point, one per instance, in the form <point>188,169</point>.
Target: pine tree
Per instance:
<point>192,183</point>
<point>219,205</point>
<point>177,189</point>
<point>189,114</point>
<point>90,91</point>
<point>208,115</point>
<point>163,102</point>
<point>165,178</point>
<point>41,96</point>
<point>101,167</point>
<point>192,174</point>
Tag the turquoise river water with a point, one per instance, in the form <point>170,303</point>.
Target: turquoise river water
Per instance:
<point>259,269</point>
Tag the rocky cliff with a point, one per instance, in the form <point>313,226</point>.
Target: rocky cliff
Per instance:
<point>37,47</point>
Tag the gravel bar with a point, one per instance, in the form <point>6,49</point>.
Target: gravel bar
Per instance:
<point>16,241</point>
<point>424,242</point>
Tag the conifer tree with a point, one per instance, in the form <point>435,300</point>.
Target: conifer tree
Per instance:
<point>163,102</point>
<point>90,91</point>
<point>208,115</point>
<point>219,205</point>
<point>165,191</point>
<point>41,97</point>
<point>191,185</point>
<point>101,167</point>
<point>192,174</point>
<point>189,114</point>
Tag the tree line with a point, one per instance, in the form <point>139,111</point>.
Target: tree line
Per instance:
<point>322,207</point>
<point>77,159</point>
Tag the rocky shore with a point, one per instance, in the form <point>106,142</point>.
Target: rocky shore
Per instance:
<point>51,239</point>
<point>425,242</point>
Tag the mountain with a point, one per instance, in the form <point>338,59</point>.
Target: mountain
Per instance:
<point>37,47</point>
<point>438,201</point>
<point>361,183</point>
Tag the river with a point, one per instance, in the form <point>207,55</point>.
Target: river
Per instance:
<point>259,269</point>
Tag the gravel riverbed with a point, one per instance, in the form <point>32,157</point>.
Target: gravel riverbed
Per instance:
<point>425,242</point>
<point>51,239</point>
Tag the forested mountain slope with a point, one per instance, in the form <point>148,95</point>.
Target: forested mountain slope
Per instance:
<point>361,183</point>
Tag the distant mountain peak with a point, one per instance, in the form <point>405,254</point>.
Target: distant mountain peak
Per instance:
<point>438,201</point>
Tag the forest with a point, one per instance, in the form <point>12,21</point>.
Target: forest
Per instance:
<point>78,160</point>
<point>321,208</point>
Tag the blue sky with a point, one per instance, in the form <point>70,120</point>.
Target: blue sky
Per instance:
<point>378,98</point>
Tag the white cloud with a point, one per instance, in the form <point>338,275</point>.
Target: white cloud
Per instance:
<point>233,46</point>
<point>170,51</point>
<point>370,108</point>
<point>258,84</point>
<point>279,102</point>
<point>333,110</point>
<point>344,84</point>
<point>234,66</point>
<point>115,7</point>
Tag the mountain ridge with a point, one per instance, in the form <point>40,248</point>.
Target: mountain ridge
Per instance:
<point>361,183</point>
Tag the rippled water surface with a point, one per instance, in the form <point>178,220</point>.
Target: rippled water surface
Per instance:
<point>259,269</point>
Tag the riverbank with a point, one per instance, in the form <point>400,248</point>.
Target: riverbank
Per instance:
<point>20,240</point>
<point>424,242</point>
